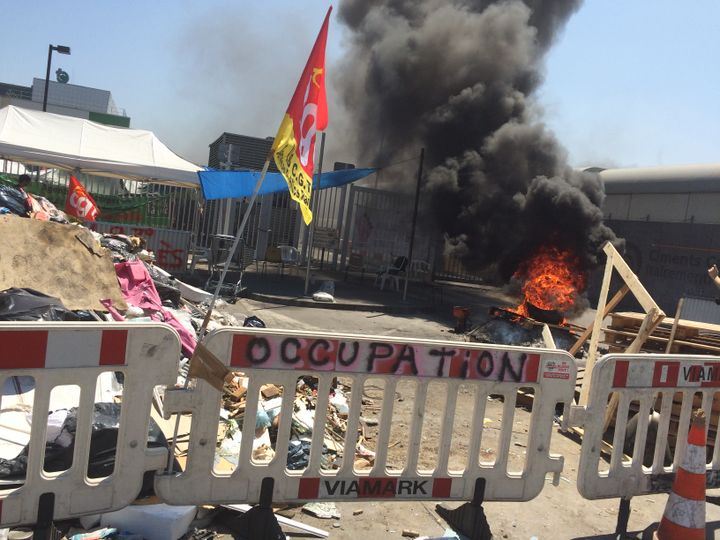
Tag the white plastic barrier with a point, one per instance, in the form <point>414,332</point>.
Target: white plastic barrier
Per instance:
<point>280,357</point>
<point>645,383</point>
<point>58,354</point>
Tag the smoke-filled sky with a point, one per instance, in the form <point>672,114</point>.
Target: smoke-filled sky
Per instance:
<point>625,83</point>
<point>459,79</point>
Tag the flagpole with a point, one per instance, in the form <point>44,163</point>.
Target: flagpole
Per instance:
<point>206,320</point>
<point>236,241</point>
<point>312,223</point>
<point>314,67</point>
<point>414,222</point>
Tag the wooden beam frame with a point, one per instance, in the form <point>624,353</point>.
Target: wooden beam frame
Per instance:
<point>654,315</point>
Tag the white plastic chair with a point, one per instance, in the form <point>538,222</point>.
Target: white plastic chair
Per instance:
<point>392,273</point>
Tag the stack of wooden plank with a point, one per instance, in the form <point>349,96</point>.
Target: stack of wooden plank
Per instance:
<point>697,404</point>
<point>690,337</point>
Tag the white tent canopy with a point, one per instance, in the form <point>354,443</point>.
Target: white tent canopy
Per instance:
<point>54,140</point>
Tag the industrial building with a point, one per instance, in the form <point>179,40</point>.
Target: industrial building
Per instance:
<point>66,99</point>
<point>670,220</point>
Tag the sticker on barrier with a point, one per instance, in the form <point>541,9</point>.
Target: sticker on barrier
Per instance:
<point>48,357</point>
<point>453,373</point>
<point>656,395</point>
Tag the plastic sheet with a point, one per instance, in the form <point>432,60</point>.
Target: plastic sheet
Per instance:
<point>254,322</point>
<point>164,285</point>
<point>14,200</point>
<point>103,442</point>
<point>138,289</point>
<point>299,455</point>
<point>31,305</point>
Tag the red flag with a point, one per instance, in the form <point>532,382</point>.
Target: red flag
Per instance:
<point>79,203</point>
<point>294,146</point>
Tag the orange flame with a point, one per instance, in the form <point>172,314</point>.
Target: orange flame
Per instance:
<point>552,280</point>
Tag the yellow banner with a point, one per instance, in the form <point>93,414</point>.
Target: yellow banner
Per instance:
<point>286,158</point>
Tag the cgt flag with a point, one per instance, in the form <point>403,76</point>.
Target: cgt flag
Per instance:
<point>307,114</point>
<point>79,203</point>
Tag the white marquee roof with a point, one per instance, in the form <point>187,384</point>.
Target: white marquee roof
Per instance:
<point>54,140</point>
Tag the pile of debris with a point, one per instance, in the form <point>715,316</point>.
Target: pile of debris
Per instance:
<point>66,272</point>
<point>267,421</point>
<point>507,327</point>
<point>54,271</point>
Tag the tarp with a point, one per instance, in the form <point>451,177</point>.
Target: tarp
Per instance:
<point>235,184</point>
<point>54,140</point>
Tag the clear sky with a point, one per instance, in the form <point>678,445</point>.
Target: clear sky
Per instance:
<point>629,83</point>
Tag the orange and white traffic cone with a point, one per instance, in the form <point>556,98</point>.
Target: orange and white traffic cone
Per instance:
<point>684,517</point>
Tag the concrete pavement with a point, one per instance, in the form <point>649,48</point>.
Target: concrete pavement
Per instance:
<point>359,293</point>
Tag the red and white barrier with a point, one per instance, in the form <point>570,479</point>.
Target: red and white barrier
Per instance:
<point>280,357</point>
<point>58,354</point>
<point>644,383</point>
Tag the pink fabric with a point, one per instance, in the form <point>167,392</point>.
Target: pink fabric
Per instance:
<point>113,312</point>
<point>139,290</point>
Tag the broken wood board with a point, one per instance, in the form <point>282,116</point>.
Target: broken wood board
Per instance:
<point>49,258</point>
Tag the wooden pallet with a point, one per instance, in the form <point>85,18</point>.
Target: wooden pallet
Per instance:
<point>690,337</point>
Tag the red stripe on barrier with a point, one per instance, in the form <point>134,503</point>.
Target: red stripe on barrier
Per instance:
<point>441,487</point>
<point>532,368</point>
<point>23,349</point>
<point>241,346</point>
<point>309,488</point>
<point>379,488</point>
<point>666,374</point>
<point>113,347</point>
<point>712,371</point>
<point>621,372</point>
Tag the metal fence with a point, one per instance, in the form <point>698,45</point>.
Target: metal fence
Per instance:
<point>122,201</point>
<point>352,220</point>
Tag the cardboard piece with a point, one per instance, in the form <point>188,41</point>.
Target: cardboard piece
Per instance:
<point>49,258</point>
<point>205,365</point>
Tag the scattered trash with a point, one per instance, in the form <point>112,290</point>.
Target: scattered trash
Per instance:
<point>449,534</point>
<point>138,289</point>
<point>31,305</point>
<point>408,533</point>
<point>282,520</point>
<point>326,292</point>
<point>340,402</point>
<point>152,521</point>
<point>322,510</point>
<point>254,322</point>
<point>13,199</point>
<point>95,535</point>
<point>60,448</point>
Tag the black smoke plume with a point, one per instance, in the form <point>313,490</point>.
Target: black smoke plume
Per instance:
<point>458,77</point>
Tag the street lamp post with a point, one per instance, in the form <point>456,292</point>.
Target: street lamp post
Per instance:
<point>62,49</point>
